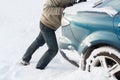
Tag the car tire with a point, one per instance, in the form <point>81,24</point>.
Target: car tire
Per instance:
<point>106,57</point>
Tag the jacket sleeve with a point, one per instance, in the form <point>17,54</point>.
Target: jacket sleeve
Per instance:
<point>53,10</point>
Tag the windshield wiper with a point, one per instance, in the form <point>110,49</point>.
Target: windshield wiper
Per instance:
<point>98,3</point>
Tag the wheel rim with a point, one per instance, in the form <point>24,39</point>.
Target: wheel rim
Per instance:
<point>111,66</point>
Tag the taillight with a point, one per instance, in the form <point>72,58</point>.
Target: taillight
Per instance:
<point>65,22</point>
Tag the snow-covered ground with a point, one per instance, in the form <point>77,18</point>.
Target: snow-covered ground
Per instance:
<point>19,26</point>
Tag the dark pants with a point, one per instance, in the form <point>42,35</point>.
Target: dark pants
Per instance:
<point>47,35</point>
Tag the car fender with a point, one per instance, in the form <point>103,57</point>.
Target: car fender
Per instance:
<point>99,37</point>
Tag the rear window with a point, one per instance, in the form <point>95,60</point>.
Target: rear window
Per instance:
<point>110,3</point>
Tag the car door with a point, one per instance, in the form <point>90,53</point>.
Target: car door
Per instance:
<point>117,24</point>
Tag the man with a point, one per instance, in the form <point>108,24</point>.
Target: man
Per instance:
<point>49,23</point>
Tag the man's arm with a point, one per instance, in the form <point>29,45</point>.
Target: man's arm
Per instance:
<point>71,4</point>
<point>54,10</point>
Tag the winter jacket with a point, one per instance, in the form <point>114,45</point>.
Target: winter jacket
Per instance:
<point>52,12</point>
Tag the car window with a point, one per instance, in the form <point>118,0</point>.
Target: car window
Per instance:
<point>110,3</point>
<point>114,4</point>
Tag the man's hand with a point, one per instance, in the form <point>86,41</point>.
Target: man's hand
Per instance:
<point>70,4</point>
<point>82,1</point>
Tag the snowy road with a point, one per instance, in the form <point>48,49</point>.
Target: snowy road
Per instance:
<point>19,26</point>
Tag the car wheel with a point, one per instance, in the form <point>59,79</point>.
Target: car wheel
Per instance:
<point>107,58</point>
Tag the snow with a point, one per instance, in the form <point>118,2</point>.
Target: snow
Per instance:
<point>19,26</point>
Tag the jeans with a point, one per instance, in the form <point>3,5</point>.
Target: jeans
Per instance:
<point>46,35</point>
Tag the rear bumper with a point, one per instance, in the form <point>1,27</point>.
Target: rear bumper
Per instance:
<point>68,51</point>
<point>64,42</point>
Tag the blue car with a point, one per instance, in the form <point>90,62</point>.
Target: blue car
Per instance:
<point>91,38</point>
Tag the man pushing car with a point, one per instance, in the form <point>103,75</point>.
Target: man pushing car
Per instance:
<point>50,21</point>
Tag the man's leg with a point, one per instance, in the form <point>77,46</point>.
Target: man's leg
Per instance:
<point>33,47</point>
<point>50,39</point>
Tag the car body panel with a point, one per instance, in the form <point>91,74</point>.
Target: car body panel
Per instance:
<point>85,23</point>
<point>117,24</point>
<point>100,37</point>
<point>91,27</point>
